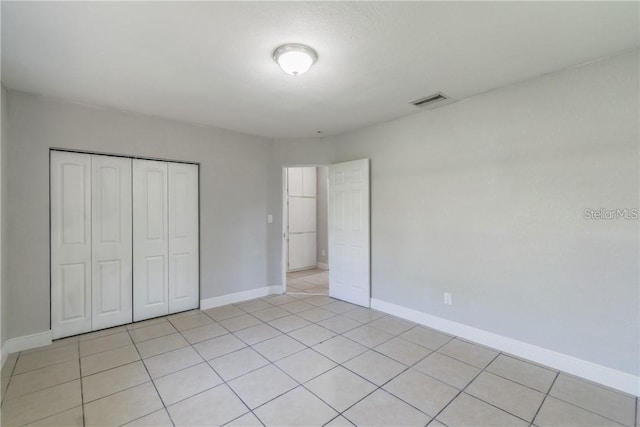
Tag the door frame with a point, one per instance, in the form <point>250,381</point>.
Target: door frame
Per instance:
<point>285,218</point>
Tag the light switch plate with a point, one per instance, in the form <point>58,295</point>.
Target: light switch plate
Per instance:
<point>269,219</point>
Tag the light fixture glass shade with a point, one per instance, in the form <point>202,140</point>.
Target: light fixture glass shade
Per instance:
<point>295,59</point>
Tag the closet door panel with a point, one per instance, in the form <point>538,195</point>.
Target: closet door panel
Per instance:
<point>111,241</point>
<point>70,182</point>
<point>150,239</point>
<point>183,237</point>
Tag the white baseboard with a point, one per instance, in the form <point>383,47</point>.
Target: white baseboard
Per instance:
<point>27,342</point>
<point>322,266</point>
<point>239,297</point>
<point>591,371</point>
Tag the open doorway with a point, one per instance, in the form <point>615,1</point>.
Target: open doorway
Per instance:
<point>305,222</point>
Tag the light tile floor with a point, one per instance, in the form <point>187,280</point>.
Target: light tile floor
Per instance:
<point>313,281</point>
<point>292,360</point>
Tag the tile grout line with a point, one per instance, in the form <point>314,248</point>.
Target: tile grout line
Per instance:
<point>545,397</point>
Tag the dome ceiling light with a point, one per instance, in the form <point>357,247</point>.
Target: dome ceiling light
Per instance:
<point>295,59</point>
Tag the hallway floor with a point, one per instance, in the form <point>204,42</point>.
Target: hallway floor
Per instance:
<point>314,281</point>
<point>290,361</point>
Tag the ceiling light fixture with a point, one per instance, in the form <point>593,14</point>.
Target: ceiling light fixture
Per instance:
<point>295,59</point>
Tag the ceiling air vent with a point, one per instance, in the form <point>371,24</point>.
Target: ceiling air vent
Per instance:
<point>430,100</point>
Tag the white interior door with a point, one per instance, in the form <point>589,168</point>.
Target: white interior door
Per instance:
<point>111,241</point>
<point>349,242</point>
<point>184,284</point>
<point>150,239</point>
<point>70,243</point>
<point>302,218</point>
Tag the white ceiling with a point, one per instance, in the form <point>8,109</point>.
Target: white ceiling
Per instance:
<point>211,63</point>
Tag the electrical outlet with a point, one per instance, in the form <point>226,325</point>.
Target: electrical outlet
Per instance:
<point>324,253</point>
<point>447,298</point>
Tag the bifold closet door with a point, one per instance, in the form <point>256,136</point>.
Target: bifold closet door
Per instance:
<point>150,239</point>
<point>70,192</point>
<point>111,241</point>
<point>184,281</point>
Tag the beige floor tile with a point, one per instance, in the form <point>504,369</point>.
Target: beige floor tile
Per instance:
<point>383,409</point>
<point>297,407</point>
<point>270,313</point>
<point>316,314</point>
<point>182,384</point>
<point>375,367</point>
<point>70,418</point>
<point>424,392</point>
<point>340,324</point>
<point>41,404</point>
<point>392,325</point>
<point>312,334</point>
<point>262,385</point>
<point>240,322</point>
<point>112,381</point>
<point>340,388</point>
<point>339,349</point>
<point>448,370</point>
<point>319,300</point>
<point>183,314</point>
<point>246,420</point>
<point>522,372</point>
<point>364,315</point>
<point>108,359</point>
<point>146,323</point>
<point>603,401</point>
<point>9,364</point>
<point>426,337</point>
<point>225,312</point>
<point>555,412</point>
<point>4,384</point>
<point>203,333</point>
<point>253,305</point>
<point>466,410</point>
<point>339,421</point>
<point>279,299</point>
<point>44,358</point>
<point>42,378</point>
<point>507,395</point>
<point>368,336</point>
<point>305,365</point>
<point>218,346</point>
<point>57,343</point>
<point>172,361</point>
<point>153,331</point>
<point>156,419</point>
<point>122,407</point>
<point>189,322</point>
<point>109,342</point>
<point>289,323</point>
<point>472,354</point>
<point>340,307</point>
<point>102,333</point>
<point>256,334</point>
<point>238,363</point>
<point>279,347</point>
<point>214,407</point>
<point>403,351</point>
<point>161,345</point>
<point>297,307</point>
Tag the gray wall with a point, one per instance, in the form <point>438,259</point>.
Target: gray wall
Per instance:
<point>484,199</point>
<point>233,194</point>
<point>3,217</point>
<point>322,227</point>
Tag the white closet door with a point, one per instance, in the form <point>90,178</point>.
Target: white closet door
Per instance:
<point>150,240</point>
<point>70,243</point>
<point>349,243</point>
<point>184,282</point>
<point>111,241</point>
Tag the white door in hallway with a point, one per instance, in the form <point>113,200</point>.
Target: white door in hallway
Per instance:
<point>349,241</point>
<point>111,241</point>
<point>150,239</point>
<point>70,243</point>
<point>184,282</point>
